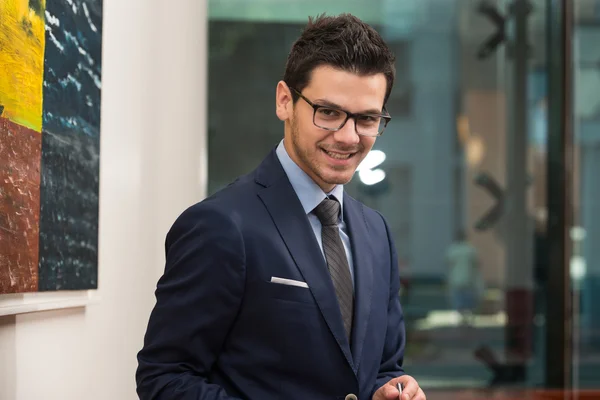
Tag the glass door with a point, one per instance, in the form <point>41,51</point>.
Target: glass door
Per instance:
<point>465,178</point>
<point>466,190</point>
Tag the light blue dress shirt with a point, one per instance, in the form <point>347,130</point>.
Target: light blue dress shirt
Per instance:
<point>311,195</point>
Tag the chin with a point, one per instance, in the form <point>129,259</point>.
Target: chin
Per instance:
<point>337,179</point>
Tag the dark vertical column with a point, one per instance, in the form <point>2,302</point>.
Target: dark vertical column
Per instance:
<point>560,207</point>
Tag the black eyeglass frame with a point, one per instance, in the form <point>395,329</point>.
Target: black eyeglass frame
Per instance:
<point>386,117</point>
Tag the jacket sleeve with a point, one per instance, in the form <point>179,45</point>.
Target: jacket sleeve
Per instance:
<point>393,351</point>
<point>197,300</point>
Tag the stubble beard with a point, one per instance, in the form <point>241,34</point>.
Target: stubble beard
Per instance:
<point>311,161</point>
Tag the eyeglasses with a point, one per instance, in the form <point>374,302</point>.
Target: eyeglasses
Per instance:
<point>334,119</point>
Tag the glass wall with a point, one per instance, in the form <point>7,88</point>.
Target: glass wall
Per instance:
<point>465,168</point>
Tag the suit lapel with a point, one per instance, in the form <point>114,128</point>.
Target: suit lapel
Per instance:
<point>288,215</point>
<point>363,272</point>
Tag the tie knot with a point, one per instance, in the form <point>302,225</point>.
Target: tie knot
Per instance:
<point>328,211</point>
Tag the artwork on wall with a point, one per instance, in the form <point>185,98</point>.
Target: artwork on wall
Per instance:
<point>50,86</point>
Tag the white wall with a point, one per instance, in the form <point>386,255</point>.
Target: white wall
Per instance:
<point>152,166</point>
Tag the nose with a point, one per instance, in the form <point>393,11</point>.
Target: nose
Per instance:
<point>347,134</point>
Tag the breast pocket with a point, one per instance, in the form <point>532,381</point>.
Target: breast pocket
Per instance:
<point>269,291</point>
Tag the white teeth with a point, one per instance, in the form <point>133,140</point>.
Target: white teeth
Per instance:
<point>338,155</point>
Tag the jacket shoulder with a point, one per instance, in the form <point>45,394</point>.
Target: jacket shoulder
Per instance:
<point>373,218</point>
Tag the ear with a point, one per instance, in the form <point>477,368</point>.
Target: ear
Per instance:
<point>284,103</point>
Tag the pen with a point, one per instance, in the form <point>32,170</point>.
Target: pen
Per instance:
<point>400,387</point>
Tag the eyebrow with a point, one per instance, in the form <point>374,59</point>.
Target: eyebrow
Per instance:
<point>327,103</point>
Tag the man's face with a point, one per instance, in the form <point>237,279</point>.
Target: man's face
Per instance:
<point>330,158</point>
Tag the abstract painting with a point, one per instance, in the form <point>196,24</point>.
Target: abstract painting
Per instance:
<point>50,90</point>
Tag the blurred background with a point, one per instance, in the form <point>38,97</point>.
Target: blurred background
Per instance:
<point>489,160</point>
<point>461,171</point>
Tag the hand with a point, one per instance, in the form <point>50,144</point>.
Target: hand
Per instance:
<point>411,391</point>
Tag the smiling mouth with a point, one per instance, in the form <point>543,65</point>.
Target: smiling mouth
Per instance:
<point>339,156</point>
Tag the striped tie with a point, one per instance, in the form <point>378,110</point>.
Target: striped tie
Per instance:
<point>328,213</point>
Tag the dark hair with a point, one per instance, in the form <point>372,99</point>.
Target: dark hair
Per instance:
<point>343,42</point>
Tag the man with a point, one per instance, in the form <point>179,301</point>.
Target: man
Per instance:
<point>281,286</point>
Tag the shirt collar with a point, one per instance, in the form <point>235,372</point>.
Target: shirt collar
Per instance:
<point>309,193</point>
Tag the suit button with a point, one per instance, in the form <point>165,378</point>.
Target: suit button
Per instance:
<point>351,397</point>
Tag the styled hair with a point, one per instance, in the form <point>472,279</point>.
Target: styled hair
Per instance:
<point>343,42</point>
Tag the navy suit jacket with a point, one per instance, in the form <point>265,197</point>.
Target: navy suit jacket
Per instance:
<point>221,330</point>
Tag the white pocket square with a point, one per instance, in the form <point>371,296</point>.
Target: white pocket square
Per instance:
<point>289,282</point>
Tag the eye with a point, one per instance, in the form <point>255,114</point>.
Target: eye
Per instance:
<point>369,119</point>
<point>329,112</point>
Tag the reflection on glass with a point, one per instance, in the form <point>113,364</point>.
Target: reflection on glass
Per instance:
<point>460,172</point>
